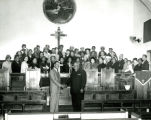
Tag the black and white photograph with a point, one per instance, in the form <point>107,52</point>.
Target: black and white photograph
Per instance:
<point>75,59</point>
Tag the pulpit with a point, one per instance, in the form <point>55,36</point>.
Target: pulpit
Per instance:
<point>108,78</point>
<point>93,82</point>
<point>142,83</point>
<point>92,77</point>
<point>4,79</point>
<point>32,79</point>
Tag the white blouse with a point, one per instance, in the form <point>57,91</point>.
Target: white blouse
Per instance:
<point>47,55</point>
<point>24,67</point>
<point>129,68</point>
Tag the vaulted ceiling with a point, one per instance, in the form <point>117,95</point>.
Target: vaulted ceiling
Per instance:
<point>147,4</point>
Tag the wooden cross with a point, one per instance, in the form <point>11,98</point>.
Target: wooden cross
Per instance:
<point>58,34</point>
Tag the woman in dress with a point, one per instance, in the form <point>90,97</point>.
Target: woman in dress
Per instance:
<point>24,65</point>
<point>7,64</point>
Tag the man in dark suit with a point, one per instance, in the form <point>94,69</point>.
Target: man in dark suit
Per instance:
<point>145,63</point>
<point>77,83</point>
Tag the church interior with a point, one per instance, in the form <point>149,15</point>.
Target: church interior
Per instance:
<point>75,59</point>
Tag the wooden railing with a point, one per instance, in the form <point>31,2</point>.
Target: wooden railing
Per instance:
<point>101,105</point>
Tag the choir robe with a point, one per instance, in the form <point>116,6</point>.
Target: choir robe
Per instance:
<point>109,65</point>
<point>73,59</point>
<point>101,66</point>
<point>120,64</point>
<point>60,53</point>
<point>115,67</point>
<point>43,67</point>
<point>138,67</point>
<point>64,68</point>
<point>30,58</point>
<point>145,65</point>
<point>16,67</point>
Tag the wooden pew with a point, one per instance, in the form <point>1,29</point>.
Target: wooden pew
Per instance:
<point>108,94</point>
<point>101,105</point>
<point>5,105</point>
<point>22,100</point>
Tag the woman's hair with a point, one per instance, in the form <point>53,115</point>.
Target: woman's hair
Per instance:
<point>140,59</point>
<point>93,58</point>
<point>61,58</point>
<point>114,58</point>
<point>56,62</point>
<point>24,57</point>
<point>7,56</point>
<point>101,58</point>
<point>16,56</point>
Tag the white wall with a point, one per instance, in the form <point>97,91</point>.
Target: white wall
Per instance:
<point>96,22</point>
<point>141,14</point>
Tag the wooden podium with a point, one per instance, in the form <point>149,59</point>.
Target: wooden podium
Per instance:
<point>108,78</point>
<point>92,77</point>
<point>32,79</point>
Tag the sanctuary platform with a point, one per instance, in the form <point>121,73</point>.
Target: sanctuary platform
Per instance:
<point>104,93</point>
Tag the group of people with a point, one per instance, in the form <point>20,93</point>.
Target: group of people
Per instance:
<point>87,58</point>
<point>74,61</point>
<point>77,83</point>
